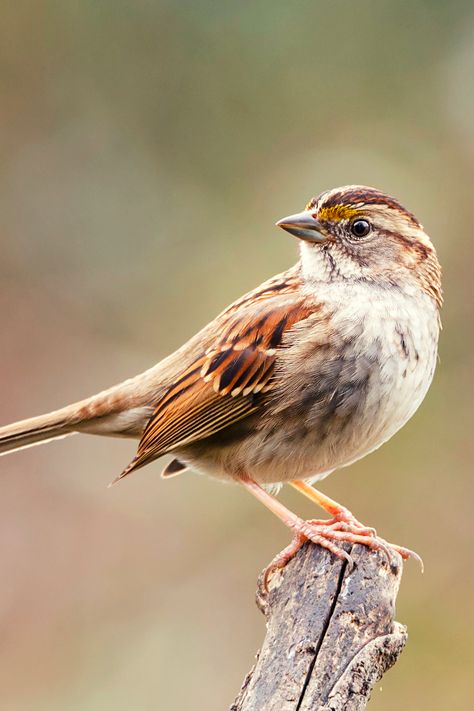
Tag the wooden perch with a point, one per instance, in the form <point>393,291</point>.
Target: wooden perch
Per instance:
<point>331,633</point>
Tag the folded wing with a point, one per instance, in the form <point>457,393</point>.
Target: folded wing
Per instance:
<point>224,383</point>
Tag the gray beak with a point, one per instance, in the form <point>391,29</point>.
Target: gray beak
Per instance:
<point>304,226</point>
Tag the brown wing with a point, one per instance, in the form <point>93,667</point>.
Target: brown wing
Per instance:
<point>219,387</point>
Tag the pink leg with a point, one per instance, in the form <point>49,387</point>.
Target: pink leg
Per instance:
<point>342,515</point>
<point>339,513</point>
<point>329,534</point>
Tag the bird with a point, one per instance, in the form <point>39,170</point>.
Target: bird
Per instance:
<point>309,372</point>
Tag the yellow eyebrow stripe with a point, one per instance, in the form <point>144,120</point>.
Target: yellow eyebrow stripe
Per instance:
<point>336,213</point>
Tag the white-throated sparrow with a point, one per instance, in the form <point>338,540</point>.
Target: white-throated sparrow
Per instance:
<point>312,370</point>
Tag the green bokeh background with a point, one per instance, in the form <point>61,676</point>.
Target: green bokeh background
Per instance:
<point>147,148</point>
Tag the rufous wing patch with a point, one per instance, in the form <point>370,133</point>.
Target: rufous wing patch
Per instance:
<point>226,382</point>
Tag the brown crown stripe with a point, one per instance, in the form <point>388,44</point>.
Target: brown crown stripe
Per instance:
<point>367,196</point>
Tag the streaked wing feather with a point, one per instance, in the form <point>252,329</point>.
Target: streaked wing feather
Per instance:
<point>197,423</point>
<point>218,389</point>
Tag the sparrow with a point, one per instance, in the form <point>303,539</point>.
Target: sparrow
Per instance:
<point>307,373</point>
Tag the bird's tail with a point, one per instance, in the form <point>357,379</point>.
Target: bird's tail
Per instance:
<point>116,412</point>
<point>35,430</point>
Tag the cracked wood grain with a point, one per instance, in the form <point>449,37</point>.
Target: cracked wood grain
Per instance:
<point>330,636</point>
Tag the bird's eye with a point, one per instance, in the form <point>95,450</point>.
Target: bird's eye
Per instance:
<point>360,228</point>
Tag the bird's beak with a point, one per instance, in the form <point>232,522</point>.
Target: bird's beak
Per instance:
<point>304,226</point>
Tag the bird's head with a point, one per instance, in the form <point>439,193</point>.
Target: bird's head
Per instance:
<point>359,233</point>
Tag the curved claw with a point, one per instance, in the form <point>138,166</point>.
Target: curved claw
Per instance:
<point>330,534</point>
<point>318,534</point>
<point>406,553</point>
<point>281,559</point>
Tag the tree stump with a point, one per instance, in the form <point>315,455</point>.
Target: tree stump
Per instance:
<point>331,633</point>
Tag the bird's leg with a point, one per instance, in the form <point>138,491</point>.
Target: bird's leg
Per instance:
<point>338,512</point>
<point>329,535</point>
<point>343,519</point>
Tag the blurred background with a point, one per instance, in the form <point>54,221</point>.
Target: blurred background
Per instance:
<point>147,148</point>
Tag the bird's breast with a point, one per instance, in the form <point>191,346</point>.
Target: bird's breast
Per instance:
<point>345,382</point>
<point>346,391</point>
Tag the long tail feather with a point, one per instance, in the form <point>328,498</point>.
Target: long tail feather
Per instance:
<point>33,431</point>
<point>117,412</point>
<point>121,411</point>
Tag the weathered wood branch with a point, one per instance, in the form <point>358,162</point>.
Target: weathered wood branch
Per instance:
<point>330,636</point>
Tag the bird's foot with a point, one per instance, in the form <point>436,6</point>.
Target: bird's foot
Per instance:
<point>406,553</point>
<point>330,534</point>
<point>344,519</point>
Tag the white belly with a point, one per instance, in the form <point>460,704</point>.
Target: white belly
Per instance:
<point>338,399</point>
<point>410,338</point>
<point>396,351</point>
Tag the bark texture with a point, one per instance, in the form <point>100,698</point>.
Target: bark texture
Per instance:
<point>330,636</point>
